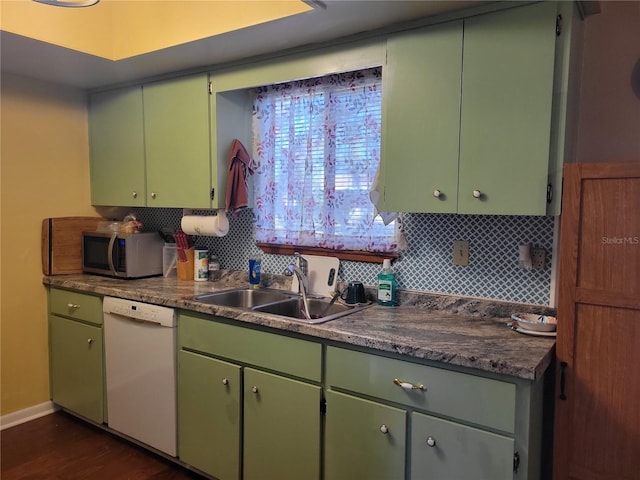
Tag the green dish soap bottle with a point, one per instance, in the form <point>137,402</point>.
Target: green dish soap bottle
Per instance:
<point>386,285</point>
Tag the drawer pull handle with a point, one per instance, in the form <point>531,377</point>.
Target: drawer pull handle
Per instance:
<point>89,341</point>
<point>225,381</point>
<point>384,429</point>
<point>437,193</point>
<point>254,389</point>
<point>409,386</point>
<point>73,305</point>
<point>431,441</point>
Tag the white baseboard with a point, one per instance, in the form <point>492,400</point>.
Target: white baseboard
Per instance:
<point>30,413</point>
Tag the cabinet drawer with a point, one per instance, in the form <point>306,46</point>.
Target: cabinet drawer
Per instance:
<point>467,397</point>
<point>78,306</point>
<point>295,357</point>
<point>450,451</point>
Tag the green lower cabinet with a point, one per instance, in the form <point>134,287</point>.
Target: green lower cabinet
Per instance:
<point>443,450</point>
<point>209,416</point>
<point>363,439</point>
<point>77,367</point>
<point>281,428</point>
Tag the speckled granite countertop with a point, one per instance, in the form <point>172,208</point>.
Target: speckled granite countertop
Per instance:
<point>458,331</point>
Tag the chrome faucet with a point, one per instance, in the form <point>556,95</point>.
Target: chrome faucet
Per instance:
<point>301,270</point>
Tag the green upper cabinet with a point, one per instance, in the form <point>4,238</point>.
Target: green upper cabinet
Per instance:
<point>421,119</point>
<point>176,130</point>
<point>116,135</point>
<point>507,94</point>
<point>150,145</point>
<point>467,117</point>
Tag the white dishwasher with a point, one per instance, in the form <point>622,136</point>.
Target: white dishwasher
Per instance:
<point>140,357</point>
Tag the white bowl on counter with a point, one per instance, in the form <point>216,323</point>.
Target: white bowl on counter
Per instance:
<point>535,322</point>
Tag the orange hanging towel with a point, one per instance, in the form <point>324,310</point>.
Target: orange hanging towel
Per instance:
<point>240,165</point>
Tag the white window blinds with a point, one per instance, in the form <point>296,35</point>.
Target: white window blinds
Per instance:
<point>317,146</point>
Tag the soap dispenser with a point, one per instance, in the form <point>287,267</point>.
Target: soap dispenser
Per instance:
<point>386,285</point>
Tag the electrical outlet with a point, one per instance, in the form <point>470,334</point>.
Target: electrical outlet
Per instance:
<point>461,252</point>
<point>538,258</point>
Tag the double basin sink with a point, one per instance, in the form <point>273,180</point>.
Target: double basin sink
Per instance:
<point>279,302</point>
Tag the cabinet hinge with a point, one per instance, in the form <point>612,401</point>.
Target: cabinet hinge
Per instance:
<point>549,193</point>
<point>323,406</point>
<point>213,193</point>
<point>516,462</point>
<point>558,25</point>
<point>210,88</point>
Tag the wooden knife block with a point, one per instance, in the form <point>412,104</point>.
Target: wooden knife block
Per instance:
<point>185,269</point>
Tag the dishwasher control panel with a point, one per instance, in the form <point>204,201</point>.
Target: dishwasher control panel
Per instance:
<point>144,312</point>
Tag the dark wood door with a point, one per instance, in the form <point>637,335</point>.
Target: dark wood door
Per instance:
<point>597,416</point>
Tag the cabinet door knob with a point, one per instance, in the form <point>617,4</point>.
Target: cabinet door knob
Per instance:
<point>135,195</point>
<point>153,194</point>
<point>431,441</point>
<point>73,305</point>
<point>225,381</point>
<point>89,341</point>
<point>254,389</point>
<point>409,386</point>
<point>477,194</point>
<point>437,193</point>
<point>384,429</point>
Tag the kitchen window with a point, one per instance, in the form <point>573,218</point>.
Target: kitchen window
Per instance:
<point>317,146</point>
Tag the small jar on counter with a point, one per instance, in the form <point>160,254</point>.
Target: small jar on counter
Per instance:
<point>214,268</point>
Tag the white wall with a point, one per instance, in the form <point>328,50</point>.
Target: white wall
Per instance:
<point>609,111</point>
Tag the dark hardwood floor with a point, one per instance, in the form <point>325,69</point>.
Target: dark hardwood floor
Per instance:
<point>62,447</point>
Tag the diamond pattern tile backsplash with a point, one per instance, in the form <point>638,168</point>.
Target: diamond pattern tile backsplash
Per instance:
<point>427,265</point>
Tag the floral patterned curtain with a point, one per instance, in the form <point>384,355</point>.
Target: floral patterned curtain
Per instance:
<point>317,146</point>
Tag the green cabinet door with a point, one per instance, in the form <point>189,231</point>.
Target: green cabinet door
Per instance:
<point>446,450</point>
<point>421,120</point>
<point>363,439</point>
<point>176,129</point>
<point>281,428</point>
<point>116,139</point>
<point>209,415</point>
<point>77,368</point>
<point>507,89</point>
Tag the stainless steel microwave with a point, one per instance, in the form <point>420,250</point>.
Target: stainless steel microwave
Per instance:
<point>124,255</point>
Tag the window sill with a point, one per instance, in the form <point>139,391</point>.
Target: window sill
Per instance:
<point>350,255</point>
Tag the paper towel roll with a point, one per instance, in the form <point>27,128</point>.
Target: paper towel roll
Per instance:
<point>206,225</point>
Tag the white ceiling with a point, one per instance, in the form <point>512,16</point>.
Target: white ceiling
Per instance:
<point>340,18</point>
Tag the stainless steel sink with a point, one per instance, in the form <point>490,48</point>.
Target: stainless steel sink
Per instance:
<point>244,297</point>
<point>278,302</point>
<point>320,310</point>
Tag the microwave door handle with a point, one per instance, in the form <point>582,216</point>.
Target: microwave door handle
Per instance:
<point>112,242</point>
